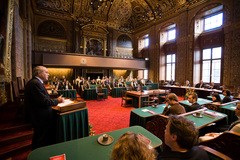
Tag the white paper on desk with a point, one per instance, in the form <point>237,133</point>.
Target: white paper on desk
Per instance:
<point>65,103</point>
<point>233,107</point>
<point>145,110</point>
<point>219,114</point>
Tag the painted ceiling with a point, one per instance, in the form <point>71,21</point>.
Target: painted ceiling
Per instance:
<point>115,13</point>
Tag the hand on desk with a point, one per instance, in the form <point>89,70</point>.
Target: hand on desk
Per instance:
<point>60,99</point>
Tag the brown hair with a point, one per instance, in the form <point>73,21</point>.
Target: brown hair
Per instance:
<point>172,96</point>
<point>185,130</point>
<point>194,96</point>
<point>131,146</point>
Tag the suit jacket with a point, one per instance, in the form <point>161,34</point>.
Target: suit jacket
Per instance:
<point>38,102</point>
<point>175,109</point>
<point>193,107</point>
<point>198,85</point>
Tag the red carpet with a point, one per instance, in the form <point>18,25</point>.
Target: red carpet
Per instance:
<point>108,115</point>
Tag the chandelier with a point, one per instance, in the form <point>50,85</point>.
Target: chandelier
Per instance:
<point>97,3</point>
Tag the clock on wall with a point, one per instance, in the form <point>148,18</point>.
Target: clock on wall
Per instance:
<point>83,61</point>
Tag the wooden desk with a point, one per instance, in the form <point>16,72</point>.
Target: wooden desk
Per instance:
<point>88,148</point>
<point>90,94</point>
<point>139,97</point>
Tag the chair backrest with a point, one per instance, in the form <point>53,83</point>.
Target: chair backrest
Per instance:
<point>227,143</point>
<point>124,93</point>
<point>99,89</point>
<point>156,93</point>
<point>25,80</point>
<point>15,92</point>
<point>214,155</point>
<point>157,127</point>
<point>212,107</point>
<point>19,83</point>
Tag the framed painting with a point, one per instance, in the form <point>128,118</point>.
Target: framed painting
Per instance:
<point>6,21</point>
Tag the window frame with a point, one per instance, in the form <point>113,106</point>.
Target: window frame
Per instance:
<point>211,60</point>
<point>211,15</point>
<point>174,78</point>
<point>168,34</point>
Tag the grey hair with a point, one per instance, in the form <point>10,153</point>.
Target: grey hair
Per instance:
<point>37,70</point>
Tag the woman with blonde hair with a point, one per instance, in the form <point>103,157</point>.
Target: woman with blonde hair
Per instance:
<point>132,146</point>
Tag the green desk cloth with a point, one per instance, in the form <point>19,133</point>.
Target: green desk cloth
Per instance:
<point>229,110</point>
<point>90,94</point>
<point>72,125</point>
<point>94,86</point>
<point>139,117</point>
<point>200,101</point>
<point>70,93</point>
<point>153,85</point>
<point>88,148</point>
<point>202,122</point>
<point>117,92</point>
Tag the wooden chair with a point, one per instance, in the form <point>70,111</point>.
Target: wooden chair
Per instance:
<point>155,96</point>
<point>212,107</point>
<point>17,97</point>
<point>100,94</point>
<point>164,97</point>
<point>25,80</point>
<point>157,127</point>
<point>126,99</point>
<point>214,155</point>
<point>20,85</point>
<point>227,143</point>
<point>148,103</point>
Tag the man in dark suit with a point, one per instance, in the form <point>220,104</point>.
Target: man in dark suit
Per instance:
<point>39,106</point>
<point>192,98</point>
<point>175,108</point>
<point>200,85</point>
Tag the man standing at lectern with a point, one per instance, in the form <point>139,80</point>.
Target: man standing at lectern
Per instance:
<point>39,107</point>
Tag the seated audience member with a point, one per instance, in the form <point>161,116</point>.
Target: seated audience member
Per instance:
<point>212,86</point>
<point>86,85</point>
<point>175,108</point>
<point>235,127</point>
<point>181,136</point>
<point>216,98</point>
<point>82,82</point>
<point>143,82</point>
<point>98,80</point>
<point>120,83</point>
<point>89,80</point>
<point>192,98</point>
<point>122,79</point>
<point>93,82</point>
<point>77,81</point>
<point>172,82</point>
<point>134,84</point>
<point>149,80</point>
<point>187,84</point>
<point>60,85</point>
<point>67,85</point>
<point>200,85</point>
<point>227,97</point>
<point>113,83</point>
<point>127,79</point>
<point>132,146</point>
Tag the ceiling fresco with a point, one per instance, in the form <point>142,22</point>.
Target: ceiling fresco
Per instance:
<point>130,14</point>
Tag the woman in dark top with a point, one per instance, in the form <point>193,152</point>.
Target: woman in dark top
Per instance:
<point>216,98</point>
<point>227,97</point>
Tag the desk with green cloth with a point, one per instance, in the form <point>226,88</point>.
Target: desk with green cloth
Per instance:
<point>139,117</point>
<point>70,93</point>
<point>94,86</point>
<point>153,85</point>
<point>117,92</point>
<point>71,124</point>
<point>200,101</point>
<point>206,120</point>
<point>88,148</point>
<point>90,94</point>
<point>229,110</point>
